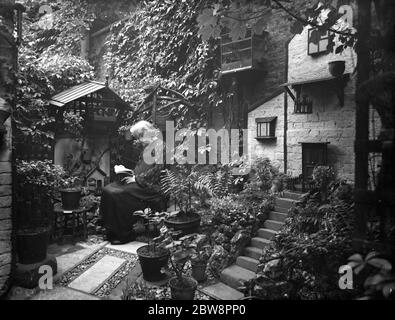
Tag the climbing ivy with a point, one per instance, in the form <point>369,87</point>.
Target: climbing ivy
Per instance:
<point>160,44</point>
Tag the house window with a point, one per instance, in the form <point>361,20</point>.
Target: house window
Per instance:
<point>323,43</point>
<point>303,103</point>
<point>266,128</point>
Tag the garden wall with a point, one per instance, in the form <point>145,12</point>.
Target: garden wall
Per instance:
<point>7,57</point>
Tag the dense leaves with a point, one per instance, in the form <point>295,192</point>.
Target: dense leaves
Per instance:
<point>160,44</point>
<point>47,65</point>
<point>305,257</point>
<point>237,17</point>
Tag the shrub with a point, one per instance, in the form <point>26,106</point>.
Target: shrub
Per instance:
<point>303,261</point>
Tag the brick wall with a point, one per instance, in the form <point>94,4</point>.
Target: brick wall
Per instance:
<point>6,54</point>
<point>5,211</point>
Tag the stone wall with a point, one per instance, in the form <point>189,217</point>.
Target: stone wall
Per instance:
<point>329,122</point>
<point>7,56</point>
<point>5,211</point>
<point>271,149</point>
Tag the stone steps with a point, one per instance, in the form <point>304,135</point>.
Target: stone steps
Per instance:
<point>277,216</point>
<point>253,252</point>
<point>260,243</point>
<point>235,276</point>
<point>266,233</point>
<point>284,203</point>
<point>273,225</point>
<point>281,209</point>
<point>292,195</point>
<point>248,263</point>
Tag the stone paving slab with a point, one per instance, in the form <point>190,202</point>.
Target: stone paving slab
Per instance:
<point>62,293</point>
<point>131,247</point>
<point>221,291</point>
<point>70,260</point>
<point>92,278</point>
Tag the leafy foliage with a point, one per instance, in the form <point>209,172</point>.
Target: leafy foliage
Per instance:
<point>160,44</point>
<point>39,77</point>
<point>237,17</point>
<point>186,184</point>
<point>374,273</point>
<point>47,66</point>
<point>40,173</point>
<point>305,256</point>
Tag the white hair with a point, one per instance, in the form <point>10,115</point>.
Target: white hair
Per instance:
<point>144,131</point>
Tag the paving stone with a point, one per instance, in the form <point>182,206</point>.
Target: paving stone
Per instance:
<point>70,260</point>
<point>129,247</point>
<point>97,274</point>
<point>221,291</point>
<point>62,293</point>
<point>132,277</point>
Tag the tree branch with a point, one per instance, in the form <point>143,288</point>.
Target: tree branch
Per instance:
<point>304,21</point>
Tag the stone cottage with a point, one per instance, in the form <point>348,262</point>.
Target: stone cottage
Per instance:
<point>311,122</point>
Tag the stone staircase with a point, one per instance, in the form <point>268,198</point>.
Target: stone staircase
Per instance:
<point>246,265</point>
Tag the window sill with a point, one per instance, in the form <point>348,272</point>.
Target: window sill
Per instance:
<point>266,138</point>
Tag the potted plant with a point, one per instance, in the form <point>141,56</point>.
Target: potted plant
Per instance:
<point>153,257</point>
<point>201,255</point>
<point>178,184</point>
<point>182,286</point>
<point>337,68</point>
<point>36,186</point>
<point>70,190</point>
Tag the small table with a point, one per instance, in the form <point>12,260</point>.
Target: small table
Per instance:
<point>73,221</point>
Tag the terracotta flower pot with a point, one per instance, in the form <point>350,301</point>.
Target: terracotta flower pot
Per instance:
<point>152,262</point>
<point>70,198</point>
<point>337,68</point>
<point>186,223</point>
<point>32,245</point>
<point>184,290</point>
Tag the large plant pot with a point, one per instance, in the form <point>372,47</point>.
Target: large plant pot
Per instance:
<point>70,198</point>
<point>186,223</point>
<point>184,290</point>
<point>32,245</point>
<point>337,68</point>
<point>153,262</point>
<point>199,271</point>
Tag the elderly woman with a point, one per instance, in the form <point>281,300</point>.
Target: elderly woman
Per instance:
<point>133,190</point>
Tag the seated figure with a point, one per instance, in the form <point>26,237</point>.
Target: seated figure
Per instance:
<point>133,190</point>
